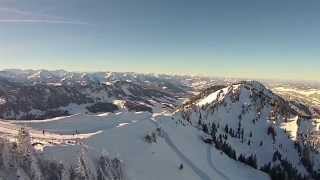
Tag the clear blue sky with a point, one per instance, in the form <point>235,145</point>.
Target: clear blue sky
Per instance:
<point>239,38</point>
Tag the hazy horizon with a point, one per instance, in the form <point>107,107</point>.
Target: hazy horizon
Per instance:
<point>240,39</point>
<point>176,74</point>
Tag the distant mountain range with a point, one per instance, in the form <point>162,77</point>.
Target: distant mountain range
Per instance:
<point>30,94</point>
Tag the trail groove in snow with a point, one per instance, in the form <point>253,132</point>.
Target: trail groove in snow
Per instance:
<point>209,157</point>
<point>170,143</point>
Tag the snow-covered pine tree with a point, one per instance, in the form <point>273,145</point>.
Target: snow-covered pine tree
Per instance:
<point>24,146</point>
<point>84,169</point>
<point>26,155</point>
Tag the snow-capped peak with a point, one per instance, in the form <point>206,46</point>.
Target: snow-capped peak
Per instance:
<point>249,121</point>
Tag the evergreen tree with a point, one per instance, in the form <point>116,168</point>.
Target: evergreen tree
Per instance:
<point>205,128</point>
<point>24,142</point>
<point>226,129</point>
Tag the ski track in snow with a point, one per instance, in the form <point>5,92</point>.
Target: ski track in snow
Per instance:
<point>198,171</point>
<point>170,143</point>
<point>209,157</point>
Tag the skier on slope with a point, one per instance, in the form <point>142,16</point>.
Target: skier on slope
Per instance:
<point>181,167</point>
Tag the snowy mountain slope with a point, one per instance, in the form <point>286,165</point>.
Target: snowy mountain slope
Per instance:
<point>248,119</point>
<point>205,156</point>
<point>122,136</point>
